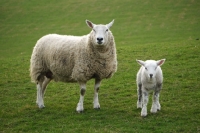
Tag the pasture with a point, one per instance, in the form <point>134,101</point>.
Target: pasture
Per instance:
<point>142,30</point>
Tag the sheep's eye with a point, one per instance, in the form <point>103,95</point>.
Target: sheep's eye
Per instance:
<point>145,68</point>
<point>106,29</point>
<point>155,68</point>
<point>94,30</point>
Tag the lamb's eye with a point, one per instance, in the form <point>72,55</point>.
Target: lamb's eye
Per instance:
<point>106,29</point>
<point>145,68</point>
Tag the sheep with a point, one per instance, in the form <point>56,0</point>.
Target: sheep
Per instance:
<point>68,58</point>
<point>149,77</point>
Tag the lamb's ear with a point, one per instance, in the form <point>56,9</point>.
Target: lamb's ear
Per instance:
<point>90,24</point>
<point>110,24</point>
<point>160,62</point>
<point>140,62</point>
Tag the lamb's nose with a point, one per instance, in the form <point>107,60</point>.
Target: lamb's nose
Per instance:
<point>151,75</point>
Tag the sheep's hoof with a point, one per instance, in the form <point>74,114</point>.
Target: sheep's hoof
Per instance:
<point>98,108</point>
<point>41,106</point>
<point>79,111</point>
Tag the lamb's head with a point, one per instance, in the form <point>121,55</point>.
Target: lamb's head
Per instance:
<point>100,32</point>
<point>150,67</point>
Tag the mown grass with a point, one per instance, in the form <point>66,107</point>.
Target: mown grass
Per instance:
<point>143,30</point>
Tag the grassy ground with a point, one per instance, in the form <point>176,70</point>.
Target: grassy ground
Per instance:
<point>142,29</point>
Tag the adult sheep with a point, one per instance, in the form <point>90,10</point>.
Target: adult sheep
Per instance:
<point>74,59</point>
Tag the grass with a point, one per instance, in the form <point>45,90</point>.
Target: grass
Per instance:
<point>142,29</point>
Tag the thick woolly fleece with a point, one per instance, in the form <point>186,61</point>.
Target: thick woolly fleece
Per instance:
<point>72,58</point>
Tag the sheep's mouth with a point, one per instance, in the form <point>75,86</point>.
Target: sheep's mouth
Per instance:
<point>100,43</point>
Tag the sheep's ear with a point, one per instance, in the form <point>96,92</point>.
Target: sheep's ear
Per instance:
<point>90,24</point>
<point>160,62</point>
<point>140,62</point>
<point>110,24</point>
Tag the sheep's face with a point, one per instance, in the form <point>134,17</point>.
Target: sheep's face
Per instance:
<point>150,67</point>
<point>100,32</point>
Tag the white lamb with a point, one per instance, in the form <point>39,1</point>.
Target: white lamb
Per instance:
<point>74,59</point>
<point>149,77</point>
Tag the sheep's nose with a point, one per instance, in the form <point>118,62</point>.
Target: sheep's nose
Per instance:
<point>99,39</point>
<point>151,75</point>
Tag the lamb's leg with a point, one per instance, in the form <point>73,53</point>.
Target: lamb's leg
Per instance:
<point>79,107</point>
<point>156,104</point>
<point>139,93</point>
<point>145,102</point>
<point>96,89</point>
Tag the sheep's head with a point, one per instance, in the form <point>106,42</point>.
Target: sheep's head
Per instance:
<point>150,67</point>
<point>100,32</point>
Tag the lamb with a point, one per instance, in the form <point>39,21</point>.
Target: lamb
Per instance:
<point>149,77</point>
<point>68,58</point>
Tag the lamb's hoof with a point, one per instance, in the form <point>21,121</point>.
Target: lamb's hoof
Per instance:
<point>143,115</point>
<point>144,112</point>
<point>139,105</point>
<point>153,111</point>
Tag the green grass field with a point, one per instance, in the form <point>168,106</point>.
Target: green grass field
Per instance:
<point>142,29</point>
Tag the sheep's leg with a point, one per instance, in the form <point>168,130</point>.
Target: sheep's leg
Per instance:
<point>79,107</point>
<point>44,85</point>
<point>145,102</point>
<point>139,92</point>
<point>96,89</point>
<point>156,104</point>
<point>38,93</point>
<point>40,101</point>
<point>41,86</point>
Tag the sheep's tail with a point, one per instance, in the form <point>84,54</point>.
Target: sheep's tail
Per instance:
<point>33,72</point>
<point>36,65</point>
